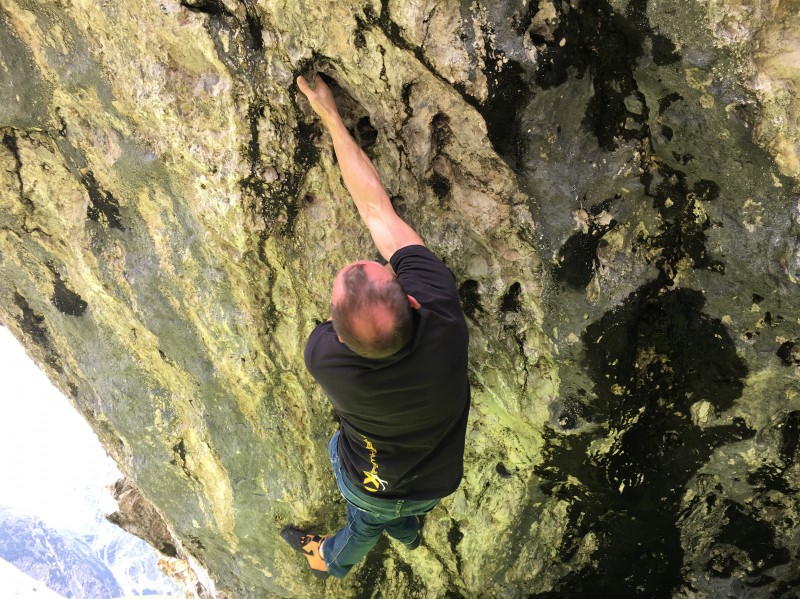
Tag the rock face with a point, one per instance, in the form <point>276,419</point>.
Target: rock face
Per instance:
<point>613,183</point>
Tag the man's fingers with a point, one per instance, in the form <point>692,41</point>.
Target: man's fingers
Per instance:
<point>319,86</point>
<point>303,85</point>
<point>320,98</point>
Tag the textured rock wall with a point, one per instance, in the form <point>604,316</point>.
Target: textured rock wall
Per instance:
<point>614,185</point>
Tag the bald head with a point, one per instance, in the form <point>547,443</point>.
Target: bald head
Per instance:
<point>370,311</point>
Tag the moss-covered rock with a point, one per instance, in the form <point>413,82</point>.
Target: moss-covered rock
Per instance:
<point>613,184</point>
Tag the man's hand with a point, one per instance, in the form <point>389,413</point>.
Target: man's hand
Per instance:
<point>321,99</point>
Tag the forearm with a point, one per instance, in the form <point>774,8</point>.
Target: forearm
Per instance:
<point>360,176</point>
<point>388,231</point>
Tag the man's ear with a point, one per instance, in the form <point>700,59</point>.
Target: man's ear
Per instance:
<point>413,302</point>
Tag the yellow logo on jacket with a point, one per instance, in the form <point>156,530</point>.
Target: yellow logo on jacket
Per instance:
<point>372,482</point>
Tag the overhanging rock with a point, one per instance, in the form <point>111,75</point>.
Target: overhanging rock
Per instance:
<point>613,184</point>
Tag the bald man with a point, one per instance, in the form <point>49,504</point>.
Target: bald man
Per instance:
<point>392,360</point>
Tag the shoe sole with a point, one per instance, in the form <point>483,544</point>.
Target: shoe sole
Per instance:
<point>293,537</point>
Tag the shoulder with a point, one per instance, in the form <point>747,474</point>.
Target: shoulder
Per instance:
<point>417,261</point>
<point>425,277</point>
<point>411,252</point>
<point>321,342</point>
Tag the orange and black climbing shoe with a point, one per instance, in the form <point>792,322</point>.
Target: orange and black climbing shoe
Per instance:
<point>307,544</point>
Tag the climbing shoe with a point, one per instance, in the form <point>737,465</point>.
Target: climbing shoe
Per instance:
<point>307,544</point>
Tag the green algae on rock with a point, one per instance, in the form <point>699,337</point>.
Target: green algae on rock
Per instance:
<point>613,184</point>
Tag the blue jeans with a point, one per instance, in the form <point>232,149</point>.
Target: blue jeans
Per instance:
<point>367,518</point>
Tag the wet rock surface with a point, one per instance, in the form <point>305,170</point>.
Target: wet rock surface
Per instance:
<point>613,184</point>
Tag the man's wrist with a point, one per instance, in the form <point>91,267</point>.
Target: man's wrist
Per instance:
<point>335,125</point>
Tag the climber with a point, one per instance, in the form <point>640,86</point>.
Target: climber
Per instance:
<point>392,360</point>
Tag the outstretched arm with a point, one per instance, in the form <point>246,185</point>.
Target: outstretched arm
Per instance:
<point>389,231</point>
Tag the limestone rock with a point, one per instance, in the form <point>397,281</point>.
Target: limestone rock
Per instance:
<point>613,184</point>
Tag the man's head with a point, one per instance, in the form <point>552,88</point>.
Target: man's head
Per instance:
<point>370,311</point>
